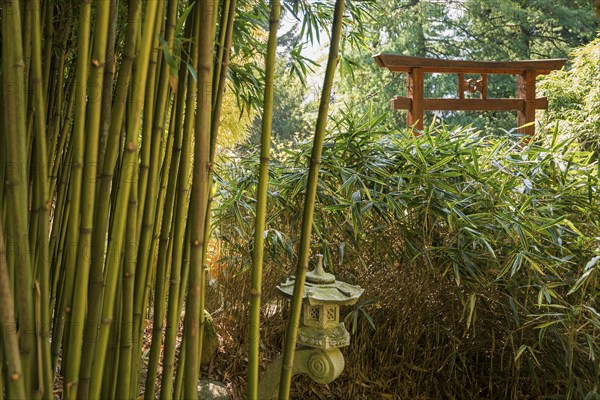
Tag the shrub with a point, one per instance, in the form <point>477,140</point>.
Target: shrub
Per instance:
<point>574,97</point>
<point>479,255</point>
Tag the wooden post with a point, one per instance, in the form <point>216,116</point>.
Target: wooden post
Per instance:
<point>484,83</point>
<point>526,92</point>
<point>414,89</point>
<point>461,86</point>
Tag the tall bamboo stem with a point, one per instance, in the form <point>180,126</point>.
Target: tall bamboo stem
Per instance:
<point>42,201</point>
<point>261,204</point>
<point>88,198</point>
<point>101,221</point>
<point>220,76</point>
<point>309,204</point>
<point>150,212</point>
<point>107,82</point>
<point>179,193</point>
<point>16,184</point>
<point>77,161</point>
<point>8,324</point>
<point>117,237</point>
<point>199,198</point>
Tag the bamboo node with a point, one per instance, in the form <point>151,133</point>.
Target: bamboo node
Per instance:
<point>255,292</point>
<point>131,147</point>
<point>15,376</point>
<point>97,63</point>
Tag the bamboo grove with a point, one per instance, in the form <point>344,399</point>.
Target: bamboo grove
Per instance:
<point>110,121</point>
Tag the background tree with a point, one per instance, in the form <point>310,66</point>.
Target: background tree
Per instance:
<point>471,29</point>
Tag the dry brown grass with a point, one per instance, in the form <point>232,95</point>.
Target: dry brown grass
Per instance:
<point>419,348</point>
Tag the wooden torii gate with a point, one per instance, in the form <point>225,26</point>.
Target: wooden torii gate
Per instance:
<point>415,102</point>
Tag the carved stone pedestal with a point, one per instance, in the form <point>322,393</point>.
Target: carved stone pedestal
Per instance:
<point>322,366</point>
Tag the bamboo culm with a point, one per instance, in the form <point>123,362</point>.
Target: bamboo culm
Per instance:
<point>261,204</point>
<point>199,198</point>
<point>309,204</point>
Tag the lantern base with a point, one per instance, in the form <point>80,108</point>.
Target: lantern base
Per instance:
<point>322,366</point>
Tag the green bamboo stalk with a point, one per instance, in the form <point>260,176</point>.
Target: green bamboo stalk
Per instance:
<point>40,184</point>
<point>226,16</point>
<point>179,192</point>
<point>146,148</point>
<point>221,75</point>
<point>261,204</point>
<point>199,198</point>
<point>15,385</point>
<point>163,267</point>
<point>309,204</point>
<point>126,320</point>
<point>60,217</point>
<point>150,215</point>
<point>111,376</point>
<point>17,183</point>
<point>179,228</point>
<point>103,204</point>
<point>118,227</point>
<point>178,388</point>
<point>88,198</point>
<point>185,267</point>
<point>178,200</point>
<point>48,42</point>
<point>107,82</point>
<point>75,184</point>
<point>2,390</point>
<point>3,163</point>
<point>167,193</point>
<point>131,352</point>
<point>57,140</point>
<point>59,135</point>
<point>58,272</point>
<point>26,34</point>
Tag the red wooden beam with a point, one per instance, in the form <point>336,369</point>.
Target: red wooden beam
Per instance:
<point>405,103</point>
<point>400,63</point>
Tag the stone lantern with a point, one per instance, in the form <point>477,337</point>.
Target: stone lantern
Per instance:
<point>320,334</point>
<point>323,295</point>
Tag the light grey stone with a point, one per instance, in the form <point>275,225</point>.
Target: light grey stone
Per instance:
<point>213,390</point>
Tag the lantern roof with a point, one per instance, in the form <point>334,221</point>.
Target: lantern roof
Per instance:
<point>322,288</point>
